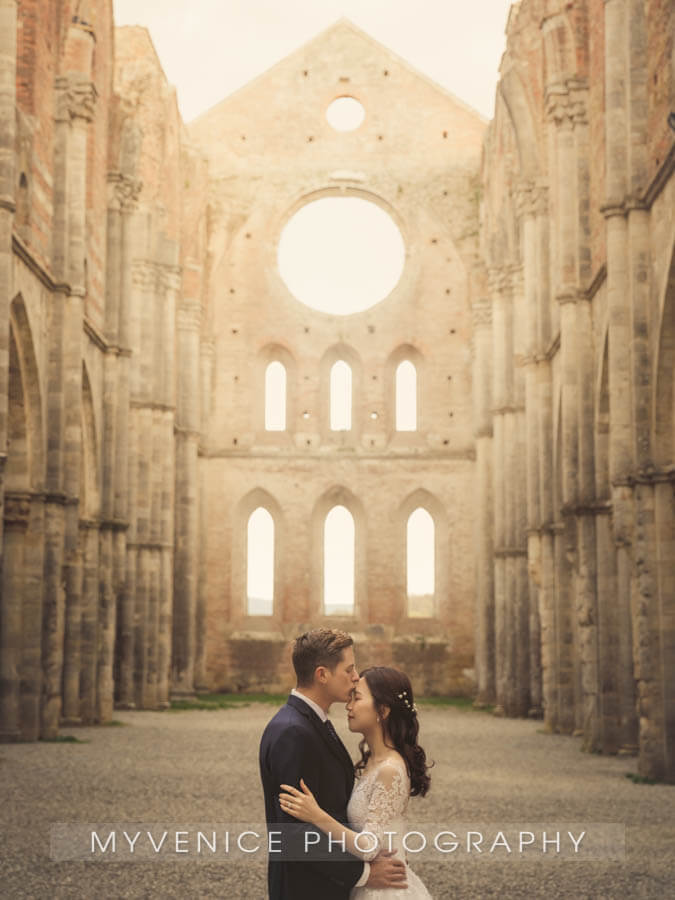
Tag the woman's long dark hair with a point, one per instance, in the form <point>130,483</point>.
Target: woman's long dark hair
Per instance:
<point>392,688</point>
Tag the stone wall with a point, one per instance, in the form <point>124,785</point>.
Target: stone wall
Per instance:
<point>578,236</point>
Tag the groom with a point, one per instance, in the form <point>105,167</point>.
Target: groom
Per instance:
<point>300,742</point>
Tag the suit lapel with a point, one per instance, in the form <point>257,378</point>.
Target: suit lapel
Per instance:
<point>337,749</point>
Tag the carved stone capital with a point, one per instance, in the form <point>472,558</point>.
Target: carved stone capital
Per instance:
<point>124,191</point>
<point>75,98</point>
<point>170,277</point>
<point>481,313</point>
<point>189,315</point>
<point>17,511</point>
<point>143,275</point>
<point>499,280</point>
<point>566,104</point>
<point>531,199</point>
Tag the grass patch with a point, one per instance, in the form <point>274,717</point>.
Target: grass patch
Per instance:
<point>465,703</point>
<point>65,739</point>
<point>114,723</point>
<point>642,779</point>
<point>228,701</point>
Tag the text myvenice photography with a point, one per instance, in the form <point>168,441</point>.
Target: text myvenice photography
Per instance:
<point>238,842</point>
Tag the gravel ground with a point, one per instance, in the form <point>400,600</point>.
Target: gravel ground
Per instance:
<point>199,767</point>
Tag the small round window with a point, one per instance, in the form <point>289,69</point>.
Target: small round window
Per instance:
<point>345,114</point>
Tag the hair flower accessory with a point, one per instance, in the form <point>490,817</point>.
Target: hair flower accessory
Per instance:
<point>404,696</point>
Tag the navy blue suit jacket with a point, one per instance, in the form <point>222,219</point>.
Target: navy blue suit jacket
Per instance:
<point>295,744</point>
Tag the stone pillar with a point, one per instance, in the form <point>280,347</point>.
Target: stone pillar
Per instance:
<point>482,404</point>
<point>16,514</point>
<point>76,98</point>
<point>89,638</point>
<point>501,390</point>
<point>566,109</point>
<point>517,528</point>
<point>207,353</point>
<point>620,396</point>
<point>167,468</point>
<point>187,495</point>
<point>7,209</point>
<point>123,196</point>
<point>532,205</point>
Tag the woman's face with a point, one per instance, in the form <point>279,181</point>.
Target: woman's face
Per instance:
<point>361,712</point>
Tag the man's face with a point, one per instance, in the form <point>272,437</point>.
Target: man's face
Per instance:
<point>341,682</point>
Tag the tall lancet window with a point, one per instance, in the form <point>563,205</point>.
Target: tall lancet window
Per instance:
<point>406,396</point>
<point>275,397</point>
<point>421,565</point>
<point>260,563</point>
<point>338,562</point>
<point>341,396</point>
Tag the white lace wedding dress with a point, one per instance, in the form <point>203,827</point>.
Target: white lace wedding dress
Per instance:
<point>378,803</point>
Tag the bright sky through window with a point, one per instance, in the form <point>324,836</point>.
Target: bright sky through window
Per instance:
<point>275,397</point>
<point>406,396</point>
<point>338,561</point>
<point>341,255</point>
<point>420,562</point>
<point>340,396</point>
<point>260,563</point>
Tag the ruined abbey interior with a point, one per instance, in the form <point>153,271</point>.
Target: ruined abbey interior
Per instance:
<point>473,472</point>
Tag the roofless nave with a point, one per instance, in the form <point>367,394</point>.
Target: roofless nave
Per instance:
<point>171,407</point>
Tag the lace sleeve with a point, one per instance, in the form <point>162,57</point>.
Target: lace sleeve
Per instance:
<point>387,802</point>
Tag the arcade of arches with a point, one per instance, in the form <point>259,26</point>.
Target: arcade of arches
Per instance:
<point>473,474</point>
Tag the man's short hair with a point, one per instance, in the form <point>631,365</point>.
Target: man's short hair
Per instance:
<point>319,647</point>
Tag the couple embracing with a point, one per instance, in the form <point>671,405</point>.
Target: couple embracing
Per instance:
<point>308,777</point>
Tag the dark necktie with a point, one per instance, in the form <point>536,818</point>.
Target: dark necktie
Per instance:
<point>330,728</point>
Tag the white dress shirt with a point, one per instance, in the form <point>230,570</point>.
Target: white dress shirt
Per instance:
<point>322,715</point>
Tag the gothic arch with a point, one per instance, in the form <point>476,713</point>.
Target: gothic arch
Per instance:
<point>560,58</point>
<point>664,380</point>
<point>602,423</point>
<point>26,453</point>
<point>517,105</point>
<point>443,551</point>
<point>248,504</point>
<point>338,495</point>
<point>351,357</point>
<point>274,352</point>
<point>400,354</point>
<point>90,493</point>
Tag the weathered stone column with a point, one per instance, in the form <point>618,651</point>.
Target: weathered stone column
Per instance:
<point>167,468</point>
<point>187,495</point>
<point>565,105</point>
<point>90,625</point>
<point>502,372</point>
<point>9,683</point>
<point>620,397</point>
<point>17,510</point>
<point>7,209</point>
<point>482,405</point>
<point>207,355</point>
<point>77,95</point>
<point>532,200</point>
<point>519,704</point>
<point>122,203</point>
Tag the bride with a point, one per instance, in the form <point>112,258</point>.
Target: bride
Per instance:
<point>391,769</point>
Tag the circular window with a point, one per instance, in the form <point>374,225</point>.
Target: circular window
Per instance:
<point>341,255</point>
<point>345,114</point>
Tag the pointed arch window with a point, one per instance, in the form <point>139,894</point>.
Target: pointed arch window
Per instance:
<point>420,563</point>
<point>406,396</point>
<point>341,396</point>
<point>260,563</point>
<point>338,562</point>
<point>275,397</point>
